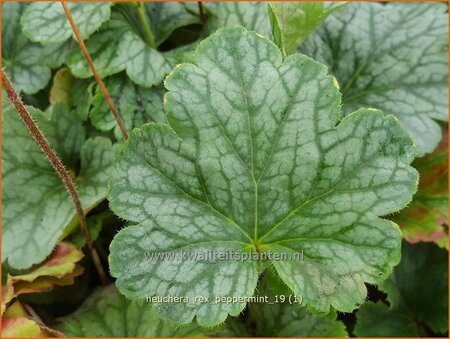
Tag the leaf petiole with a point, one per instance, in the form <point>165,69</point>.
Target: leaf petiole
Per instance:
<point>201,12</point>
<point>149,37</point>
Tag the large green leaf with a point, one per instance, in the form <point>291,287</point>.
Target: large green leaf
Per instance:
<point>36,206</point>
<point>251,15</point>
<point>46,22</point>
<point>392,57</point>
<point>21,57</point>
<point>283,317</point>
<point>254,161</point>
<point>136,105</point>
<point>293,22</point>
<point>417,293</point>
<point>107,313</point>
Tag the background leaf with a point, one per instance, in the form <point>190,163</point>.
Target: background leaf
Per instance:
<point>17,323</point>
<point>103,47</point>
<point>36,206</point>
<point>163,17</point>
<point>61,87</point>
<point>293,22</point>
<point>426,218</point>
<point>21,57</point>
<point>120,43</point>
<point>251,15</point>
<point>144,65</point>
<point>75,93</point>
<point>60,268</point>
<point>389,322</point>
<point>46,22</point>
<point>20,328</point>
<point>95,225</point>
<point>392,57</point>
<point>136,104</point>
<point>415,297</point>
<point>107,313</point>
<point>281,319</point>
<point>233,328</point>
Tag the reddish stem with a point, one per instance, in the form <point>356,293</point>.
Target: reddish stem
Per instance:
<point>201,12</point>
<point>97,77</point>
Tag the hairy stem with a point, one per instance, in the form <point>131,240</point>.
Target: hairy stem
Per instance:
<point>146,25</point>
<point>99,80</point>
<point>44,145</point>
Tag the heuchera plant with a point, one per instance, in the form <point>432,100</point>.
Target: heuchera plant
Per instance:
<point>232,169</point>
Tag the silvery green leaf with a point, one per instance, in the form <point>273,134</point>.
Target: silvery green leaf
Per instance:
<point>251,15</point>
<point>255,160</point>
<point>117,47</point>
<point>165,17</point>
<point>145,65</point>
<point>37,208</point>
<point>107,313</point>
<point>279,318</point>
<point>21,57</point>
<point>103,47</point>
<point>46,21</point>
<point>137,105</point>
<point>391,57</point>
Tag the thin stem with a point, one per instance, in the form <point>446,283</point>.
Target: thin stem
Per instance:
<point>58,166</point>
<point>94,71</point>
<point>146,25</point>
<point>201,12</point>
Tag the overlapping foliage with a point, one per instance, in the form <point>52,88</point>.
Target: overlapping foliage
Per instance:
<point>303,130</point>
